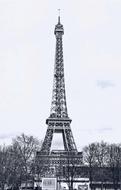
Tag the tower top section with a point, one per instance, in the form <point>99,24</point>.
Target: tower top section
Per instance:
<point>58,104</point>
<point>59,31</point>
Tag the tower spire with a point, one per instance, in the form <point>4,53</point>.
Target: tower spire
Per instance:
<point>58,16</point>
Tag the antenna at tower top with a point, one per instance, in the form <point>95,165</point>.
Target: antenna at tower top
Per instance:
<point>58,16</point>
<point>58,12</point>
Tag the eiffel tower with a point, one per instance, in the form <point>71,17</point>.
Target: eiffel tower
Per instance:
<point>58,121</point>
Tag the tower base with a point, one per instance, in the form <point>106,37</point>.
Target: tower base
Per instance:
<point>58,163</point>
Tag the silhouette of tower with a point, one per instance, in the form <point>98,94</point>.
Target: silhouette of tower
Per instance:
<point>58,121</point>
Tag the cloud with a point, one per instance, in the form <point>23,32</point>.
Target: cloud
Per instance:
<point>97,130</point>
<point>105,83</point>
<point>6,136</point>
<point>104,129</point>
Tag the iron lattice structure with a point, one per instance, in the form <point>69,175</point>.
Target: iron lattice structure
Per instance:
<point>58,122</point>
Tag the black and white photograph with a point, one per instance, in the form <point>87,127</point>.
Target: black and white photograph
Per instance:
<point>60,95</point>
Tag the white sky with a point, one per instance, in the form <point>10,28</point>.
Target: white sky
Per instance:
<point>92,60</point>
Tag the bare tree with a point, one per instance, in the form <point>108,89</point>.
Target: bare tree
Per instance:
<point>4,166</point>
<point>69,170</point>
<point>101,155</point>
<point>114,162</point>
<point>24,149</point>
<point>89,158</point>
